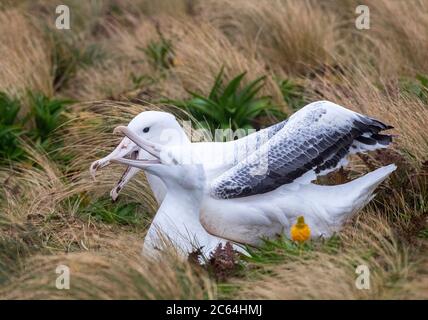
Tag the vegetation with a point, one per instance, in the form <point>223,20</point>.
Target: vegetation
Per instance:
<point>293,94</point>
<point>106,211</point>
<point>63,91</point>
<point>69,55</point>
<point>417,87</point>
<point>45,116</point>
<point>159,53</point>
<point>231,106</point>
<point>10,128</point>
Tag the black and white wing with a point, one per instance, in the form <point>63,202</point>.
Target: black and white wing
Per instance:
<point>316,140</point>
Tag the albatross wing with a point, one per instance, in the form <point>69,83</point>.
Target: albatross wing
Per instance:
<point>314,141</point>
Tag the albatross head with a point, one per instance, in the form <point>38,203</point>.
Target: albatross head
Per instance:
<point>156,126</point>
<point>165,164</point>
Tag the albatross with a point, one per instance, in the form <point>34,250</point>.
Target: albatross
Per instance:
<point>176,223</point>
<point>162,127</point>
<point>261,194</point>
<point>192,202</point>
<point>316,139</point>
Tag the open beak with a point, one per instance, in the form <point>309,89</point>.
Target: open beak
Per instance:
<point>158,151</point>
<point>140,153</point>
<point>125,147</point>
<point>134,164</point>
<point>130,171</point>
<point>126,176</point>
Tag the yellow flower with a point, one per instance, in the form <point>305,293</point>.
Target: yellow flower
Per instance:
<point>300,232</point>
<point>176,62</point>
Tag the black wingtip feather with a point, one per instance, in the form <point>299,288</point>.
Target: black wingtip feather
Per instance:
<point>383,139</point>
<point>374,124</point>
<point>366,140</point>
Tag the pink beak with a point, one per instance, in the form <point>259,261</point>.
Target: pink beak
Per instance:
<point>125,147</point>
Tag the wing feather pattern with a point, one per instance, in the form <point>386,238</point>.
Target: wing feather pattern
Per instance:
<point>317,138</point>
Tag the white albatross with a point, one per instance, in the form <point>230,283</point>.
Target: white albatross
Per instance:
<point>333,132</point>
<point>176,223</point>
<point>190,202</point>
<point>243,205</point>
<point>163,128</point>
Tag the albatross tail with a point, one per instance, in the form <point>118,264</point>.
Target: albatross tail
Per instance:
<point>333,205</point>
<point>361,190</point>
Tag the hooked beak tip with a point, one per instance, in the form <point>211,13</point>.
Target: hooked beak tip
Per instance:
<point>114,194</point>
<point>93,169</point>
<point>119,130</point>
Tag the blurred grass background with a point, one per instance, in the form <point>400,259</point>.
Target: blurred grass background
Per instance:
<point>239,63</point>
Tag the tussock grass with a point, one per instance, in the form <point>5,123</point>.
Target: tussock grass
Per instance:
<point>322,274</point>
<point>384,100</point>
<point>295,36</point>
<point>204,50</point>
<point>114,64</point>
<point>105,275</point>
<point>392,47</point>
<point>26,58</point>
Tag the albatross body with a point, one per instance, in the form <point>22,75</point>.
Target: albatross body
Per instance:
<point>325,208</point>
<point>177,222</point>
<point>265,180</point>
<point>189,211</point>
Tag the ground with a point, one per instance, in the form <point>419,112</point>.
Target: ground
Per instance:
<point>63,91</point>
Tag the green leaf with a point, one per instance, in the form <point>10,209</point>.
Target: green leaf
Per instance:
<point>233,105</point>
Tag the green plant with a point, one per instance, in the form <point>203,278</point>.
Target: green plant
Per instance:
<point>418,87</point>
<point>275,251</point>
<point>118,212</point>
<point>69,55</point>
<point>47,114</point>
<point>139,81</point>
<point>159,53</point>
<point>423,233</point>
<point>232,106</point>
<point>292,93</point>
<point>10,128</point>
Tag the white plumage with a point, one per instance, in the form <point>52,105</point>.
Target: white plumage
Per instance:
<point>255,187</point>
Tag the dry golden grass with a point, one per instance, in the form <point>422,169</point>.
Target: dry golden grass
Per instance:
<point>203,50</point>
<point>316,43</point>
<point>410,26</point>
<point>108,80</point>
<point>320,275</point>
<point>399,43</point>
<point>121,273</point>
<point>26,58</point>
<point>165,7</point>
<point>381,100</point>
<point>293,35</point>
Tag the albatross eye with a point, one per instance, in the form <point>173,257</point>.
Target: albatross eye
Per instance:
<point>146,129</point>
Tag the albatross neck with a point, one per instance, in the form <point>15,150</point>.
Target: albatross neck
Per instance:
<point>182,202</point>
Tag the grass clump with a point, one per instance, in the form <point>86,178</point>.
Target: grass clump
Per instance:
<point>103,209</point>
<point>45,115</point>
<point>417,87</point>
<point>293,93</point>
<point>275,251</point>
<point>233,105</point>
<point>160,53</point>
<point>69,55</point>
<point>11,128</point>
